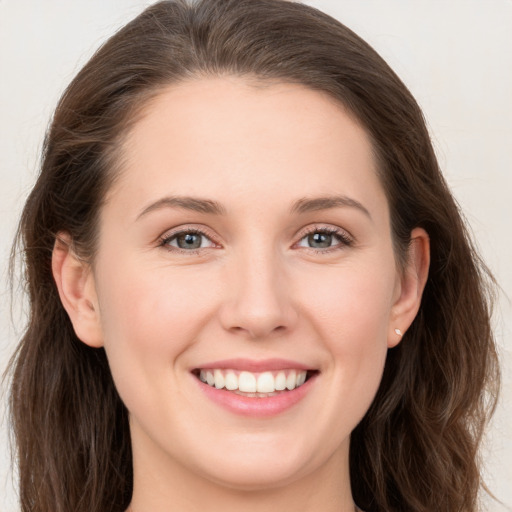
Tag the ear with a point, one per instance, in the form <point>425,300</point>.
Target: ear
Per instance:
<point>75,283</point>
<point>410,286</point>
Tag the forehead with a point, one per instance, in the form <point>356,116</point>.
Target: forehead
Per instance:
<point>231,139</point>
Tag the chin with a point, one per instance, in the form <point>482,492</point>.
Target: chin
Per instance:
<point>270,467</point>
<point>256,476</point>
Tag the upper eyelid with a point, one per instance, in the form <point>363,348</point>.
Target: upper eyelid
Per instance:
<point>326,228</point>
<point>205,231</point>
<point>202,230</point>
<point>320,227</point>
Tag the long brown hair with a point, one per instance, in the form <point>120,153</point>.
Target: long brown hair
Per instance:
<point>417,447</point>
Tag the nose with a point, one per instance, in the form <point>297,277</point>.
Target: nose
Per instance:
<point>258,302</point>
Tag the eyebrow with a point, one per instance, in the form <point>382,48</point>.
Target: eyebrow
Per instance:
<point>305,204</point>
<point>209,206</point>
<point>194,204</point>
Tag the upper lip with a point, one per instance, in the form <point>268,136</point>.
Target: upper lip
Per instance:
<point>256,366</point>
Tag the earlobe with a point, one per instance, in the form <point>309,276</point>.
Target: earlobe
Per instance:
<point>412,284</point>
<point>75,284</point>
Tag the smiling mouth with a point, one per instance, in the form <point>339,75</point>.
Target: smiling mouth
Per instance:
<point>252,384</point>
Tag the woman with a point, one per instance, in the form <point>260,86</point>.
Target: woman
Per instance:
<point>249,284</point>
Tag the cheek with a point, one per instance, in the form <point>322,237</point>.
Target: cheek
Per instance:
<point>353,303</point>
<point>351,318</point>
<point>148,320</point>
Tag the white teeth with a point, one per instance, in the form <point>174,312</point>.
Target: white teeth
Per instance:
<point>265,383</point>
<point>280,381</point>
<point>254,384</point>
<point>231,381</point>
<point>247,382</point>
<point>219,379</point>
<point>291,380</point>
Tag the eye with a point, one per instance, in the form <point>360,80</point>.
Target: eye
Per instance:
<point>325,238</point>
<point>187,240</point>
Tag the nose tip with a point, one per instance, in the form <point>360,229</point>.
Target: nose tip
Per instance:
<point>258,306</point>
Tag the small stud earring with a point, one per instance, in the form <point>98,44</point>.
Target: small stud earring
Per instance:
<point>399,332</point>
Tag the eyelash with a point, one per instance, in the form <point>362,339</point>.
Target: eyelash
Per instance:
<point>167,238</point>
<point>344,239</point>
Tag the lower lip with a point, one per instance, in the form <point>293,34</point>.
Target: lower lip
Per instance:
<point>257,406</point>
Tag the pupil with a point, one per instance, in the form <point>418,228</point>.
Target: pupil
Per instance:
<point>189,241</point>
<point>320,240</point>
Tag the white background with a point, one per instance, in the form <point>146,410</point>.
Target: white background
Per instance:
<point>454,55</point>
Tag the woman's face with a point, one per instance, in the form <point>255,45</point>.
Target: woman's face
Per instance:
<point>247,240</point>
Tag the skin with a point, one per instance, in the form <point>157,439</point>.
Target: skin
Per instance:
<point>256,289</point>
